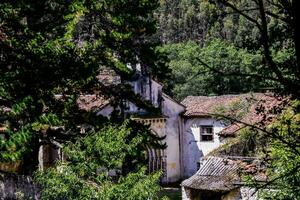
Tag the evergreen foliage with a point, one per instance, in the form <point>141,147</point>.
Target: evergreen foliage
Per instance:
<point>216,68</point>
<point>206,21</point>
<point>283,149</point>
<point>59,47</point>
<point>93,159</point>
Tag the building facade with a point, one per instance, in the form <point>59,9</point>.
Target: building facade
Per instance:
<point>191,128</point>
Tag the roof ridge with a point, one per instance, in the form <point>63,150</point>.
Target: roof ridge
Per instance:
<point>223,95</point>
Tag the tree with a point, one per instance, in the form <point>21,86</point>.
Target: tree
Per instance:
<point>59,47</point>
<point>93,159</point>
<point>268,29</point>
<point>199,21</point>
<point>216,68</point>
<point>285,69</point>
<point>284,151</point>
<point>281,63</point>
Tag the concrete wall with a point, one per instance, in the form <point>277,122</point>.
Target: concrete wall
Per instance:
<point>185,193</point>
<point>193,148</point>
<point>156,93</point>
<point>172,110</point>
<point>232,195</point>
<point>149,90</point>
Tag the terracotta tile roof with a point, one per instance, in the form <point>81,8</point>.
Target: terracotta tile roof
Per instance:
<point>3,129</point>
<point>205,105</point>
<point>91,102</point>
<point>200,106</point>
<point>109,77</point>
<point>259,114</point>
<point>222,174</point>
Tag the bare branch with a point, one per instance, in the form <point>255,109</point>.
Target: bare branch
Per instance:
<point>226,3</point>
<point>265,42</point>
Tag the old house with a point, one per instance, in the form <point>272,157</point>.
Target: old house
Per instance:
<point>166,123</point>
<point>209,121</point>
<point>192,127</point>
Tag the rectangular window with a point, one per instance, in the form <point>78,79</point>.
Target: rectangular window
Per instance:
<point>207,133</point>
<point>198,165</point>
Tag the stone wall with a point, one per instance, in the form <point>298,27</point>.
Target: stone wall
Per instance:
<point>17,187</point>
<point>243,193</point>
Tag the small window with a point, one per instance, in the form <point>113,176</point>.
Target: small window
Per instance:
<point>198,165</point>
<point>207,133</point>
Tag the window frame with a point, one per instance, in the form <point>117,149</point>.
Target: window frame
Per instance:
<point>202,133</point>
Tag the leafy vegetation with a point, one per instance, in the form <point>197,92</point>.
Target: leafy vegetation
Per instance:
<point>50,53</point>
<point>214,47</point>
<point>284,153</point>
<point>96,168</point>
<point>54,47</point>
<point>216,68</point>
<point>223,48</point>
<point>265,35</point>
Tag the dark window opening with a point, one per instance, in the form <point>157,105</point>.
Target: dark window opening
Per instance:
<point>198,165</point>
<point>206,133</point>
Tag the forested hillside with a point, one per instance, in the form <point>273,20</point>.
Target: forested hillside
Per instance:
<point>213,49</point>
<point>90,92</point>
<point>222,47</point>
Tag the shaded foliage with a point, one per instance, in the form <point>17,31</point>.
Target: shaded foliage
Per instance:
<point>95,168</point>
<point>59,47</point>
<point>216,68</point>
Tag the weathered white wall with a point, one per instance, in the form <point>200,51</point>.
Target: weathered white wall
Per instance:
<point>172,110</point>
<point>193,148</point>
<point>156,93</point>
<point>149,90</point>
<point>232,195</point>
<point>106,111</point>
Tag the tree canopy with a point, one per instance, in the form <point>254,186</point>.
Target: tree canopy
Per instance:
<point>217,68</point>
<point>59,47</point>
<point>95,168</point>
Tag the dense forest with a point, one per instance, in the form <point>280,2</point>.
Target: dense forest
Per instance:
<point>52,51</point>
<point>213,49</point>
<point>220,47</point>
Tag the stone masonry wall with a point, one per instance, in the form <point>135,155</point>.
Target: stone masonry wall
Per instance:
<point>17,187</point>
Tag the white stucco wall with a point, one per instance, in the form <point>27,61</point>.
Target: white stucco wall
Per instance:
<point>151,91</point>
<point>193,148</point>
<point>106,111</point>
<point>156,93</point>
<point>172,127</point>
<point>172,110</point>
<point>248,193</point>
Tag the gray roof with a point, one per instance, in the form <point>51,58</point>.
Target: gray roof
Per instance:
<point>216,174</point>
<point>222,174</point>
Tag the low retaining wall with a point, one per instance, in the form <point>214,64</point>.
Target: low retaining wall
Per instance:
<point>17,187</point>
